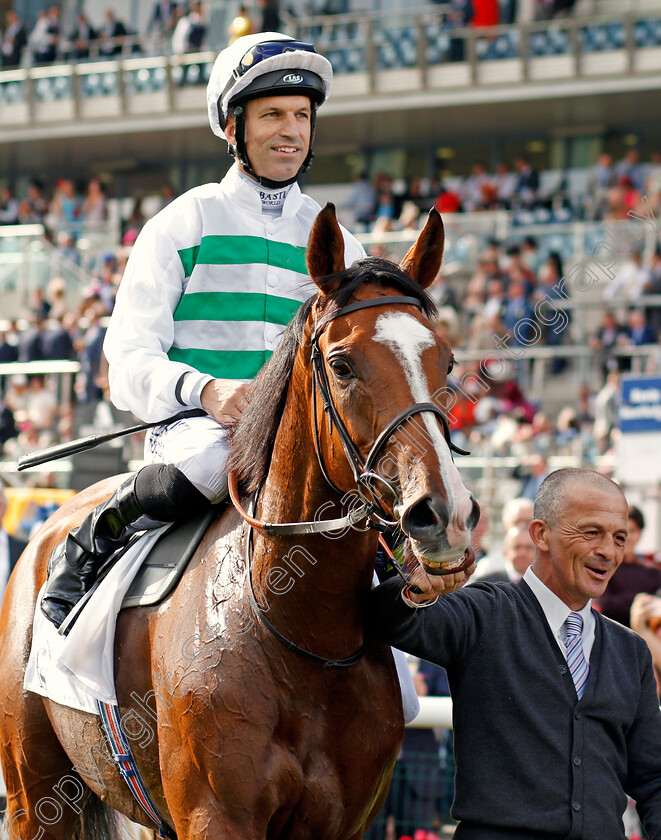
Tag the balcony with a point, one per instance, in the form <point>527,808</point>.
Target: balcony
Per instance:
<point>399,60</point>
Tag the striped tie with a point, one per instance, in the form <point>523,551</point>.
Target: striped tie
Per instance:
<point>575,658</point>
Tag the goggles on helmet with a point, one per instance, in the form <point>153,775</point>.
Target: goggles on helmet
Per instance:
<point>258,53</point>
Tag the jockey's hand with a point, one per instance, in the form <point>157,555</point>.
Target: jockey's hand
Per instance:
<point>224,400</point>
<point>433,585</point>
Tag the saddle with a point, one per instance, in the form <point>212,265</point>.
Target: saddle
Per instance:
<point>167,561</point>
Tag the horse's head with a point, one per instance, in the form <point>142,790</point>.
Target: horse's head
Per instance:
<point>384,370</point>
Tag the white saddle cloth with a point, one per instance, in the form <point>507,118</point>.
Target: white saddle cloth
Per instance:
<point>78,669</point>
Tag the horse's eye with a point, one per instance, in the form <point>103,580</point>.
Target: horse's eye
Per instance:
<point>341,368</point>
<point>450,366</point>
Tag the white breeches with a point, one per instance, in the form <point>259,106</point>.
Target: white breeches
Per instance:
<point>199,446</point>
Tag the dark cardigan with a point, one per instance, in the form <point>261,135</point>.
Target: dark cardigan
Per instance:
<point>533,761</point>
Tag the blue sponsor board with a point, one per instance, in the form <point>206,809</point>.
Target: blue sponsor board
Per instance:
<point>640,409</point>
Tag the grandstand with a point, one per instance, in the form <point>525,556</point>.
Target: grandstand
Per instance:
<point>415,102</point>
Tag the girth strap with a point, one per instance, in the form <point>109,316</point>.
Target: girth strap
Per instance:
<point>123,756</point>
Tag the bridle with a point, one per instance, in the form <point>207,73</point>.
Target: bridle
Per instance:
<point>363,473</point>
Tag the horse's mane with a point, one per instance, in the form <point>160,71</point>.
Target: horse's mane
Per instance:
<point>254,435</point>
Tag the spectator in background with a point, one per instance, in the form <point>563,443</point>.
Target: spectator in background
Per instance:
<point>562,8</point>
<point>638,573</point>
<point>8,350</point>
<point>111,35</point>
<point>55,295</point>
<point>518,554</point>
<point>12,41</point>
<point>30,345</point>
<point>163,17</point>
<point>45,35</point>
<point>189,31</point>
<point>94,210</point>
<point>90,346</point>
<point>603,178</point>
<point>653,287</point>
<point>8,428</point>
<point>518,315</point>
<point>538,469</point>
<point>527,184</point>
<point>241,25</point>
<point>57,341</point>
<point>33,208</point>
<point>442,293</point>
<point>505,183</point>
<point>645,619</point>
<point>638,331</point>
<point>447,200</point>
<point>16,397</point>
<point>517,514</point>
<point>42,407</point>
<point>485,13</point>
<point>65,207</point>
<point>555,321</point>
<point>270,15</point>
<point>11,548</point>
<point>458,16</point>
<point>362,202</point>
<point>517,269</point>
<point>631,168</point>
<point>473,188</point>
<point>606,411</point>
<point>631,280</point>
<point>66,246</point>
<point>608,337</point>
<point>9,206</point>
<point>82,37</point>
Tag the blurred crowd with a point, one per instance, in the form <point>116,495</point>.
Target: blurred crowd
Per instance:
<point>611,191</point>
<point>176,27</point>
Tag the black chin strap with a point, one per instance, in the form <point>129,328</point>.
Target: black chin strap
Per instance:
<point>242,153</point>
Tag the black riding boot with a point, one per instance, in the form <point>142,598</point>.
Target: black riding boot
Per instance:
<point>156,495</point>
<point>75,562</point>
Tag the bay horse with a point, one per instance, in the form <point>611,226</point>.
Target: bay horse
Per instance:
<point>255,704</point>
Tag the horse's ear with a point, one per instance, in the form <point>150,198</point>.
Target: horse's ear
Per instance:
<point>325,254</point>
<point>424,258</point>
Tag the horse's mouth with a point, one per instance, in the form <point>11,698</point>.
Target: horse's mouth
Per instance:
<point>439,567</point>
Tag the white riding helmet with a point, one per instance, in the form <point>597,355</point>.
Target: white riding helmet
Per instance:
<point>248,67</point>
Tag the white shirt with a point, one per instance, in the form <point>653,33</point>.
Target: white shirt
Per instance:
<point>556,612</point>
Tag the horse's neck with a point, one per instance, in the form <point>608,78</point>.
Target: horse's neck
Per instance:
<point>314,586</point>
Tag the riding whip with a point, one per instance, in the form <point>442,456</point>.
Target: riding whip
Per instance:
<point>73,447</point>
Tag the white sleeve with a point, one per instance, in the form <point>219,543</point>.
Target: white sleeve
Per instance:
<point>353,250</point>
<point>141,331</point>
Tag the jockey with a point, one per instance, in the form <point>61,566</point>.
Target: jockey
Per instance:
<point>210,285</point>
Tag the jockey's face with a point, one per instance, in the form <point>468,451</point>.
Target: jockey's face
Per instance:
<point>277,135</point>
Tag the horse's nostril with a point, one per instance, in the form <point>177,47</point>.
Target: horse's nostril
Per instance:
<point>427,517</point>
<point>474,517</point>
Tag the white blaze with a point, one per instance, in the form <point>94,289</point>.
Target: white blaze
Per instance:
<point>407,338</point>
